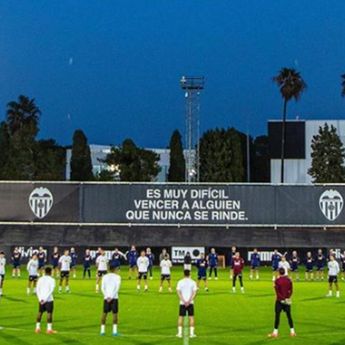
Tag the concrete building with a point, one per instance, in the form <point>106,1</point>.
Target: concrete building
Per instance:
<point>99,153</point>
<point>299,135</point>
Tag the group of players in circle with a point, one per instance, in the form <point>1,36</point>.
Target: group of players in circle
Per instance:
<point>141,267</point>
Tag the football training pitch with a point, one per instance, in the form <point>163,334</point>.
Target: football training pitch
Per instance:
<point>151,318</point>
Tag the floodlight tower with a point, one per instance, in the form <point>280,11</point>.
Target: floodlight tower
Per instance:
<point>192,86</point>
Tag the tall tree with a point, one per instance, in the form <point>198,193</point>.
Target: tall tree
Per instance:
<point>4,148</point>
<point>328,155</point>
<point>132,163</point>
<point>81,165</point>
<point>221,156</point>
<point>177,167</point>
<point>291,86</point>
<point>260,167</point>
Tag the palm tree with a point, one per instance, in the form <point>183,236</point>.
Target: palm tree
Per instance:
<point>23,112</point>
<point>343,85</point>
<point>291,86</point>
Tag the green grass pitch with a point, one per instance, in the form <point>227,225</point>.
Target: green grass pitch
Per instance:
<point>150,318</point>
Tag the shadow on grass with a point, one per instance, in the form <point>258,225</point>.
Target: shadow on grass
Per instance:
<point>12,339</point>
<point>13,299</point>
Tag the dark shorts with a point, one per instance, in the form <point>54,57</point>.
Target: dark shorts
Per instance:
<point>46,307</point>
<point>64,274</point>
<point>55,265</point>
<point>279,307</point>
<point>165,277</point>
<point>112,306</point>
<point>320,268</point>
<point>73,265</point>
<point>2,277</point>
<point>309,270</point>
<point>101,273</point>
<point>333,279</point>
<point>294,269</point>
<point>255,267</point>
<point>33,278</point>
<point>238,275</point>
<point>202,277</point>
<point>142,275</point>
<point>40,266</point>
<point>184,311</point>
<point>274,269</point>
<point>16,265</point>
<point>133,265</point>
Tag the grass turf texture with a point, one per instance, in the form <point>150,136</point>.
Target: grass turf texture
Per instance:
<point>150,318</point>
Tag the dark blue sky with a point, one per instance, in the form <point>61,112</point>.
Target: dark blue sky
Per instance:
<point>112,67</point>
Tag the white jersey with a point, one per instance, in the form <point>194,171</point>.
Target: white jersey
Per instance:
<point>165,266</point>
<point>65,262</point>
<point>32,267</point>
<point>2,265</point>
<point>143,264</point>
<point>285,265</point>
<point>102,263</point>
<point>187,287</point>
<point>111,283</point>
<point>45,288</point>
<point>333,268</point>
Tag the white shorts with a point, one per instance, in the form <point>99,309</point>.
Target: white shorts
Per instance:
<point>187,267</point>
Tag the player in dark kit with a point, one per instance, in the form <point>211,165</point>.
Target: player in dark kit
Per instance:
<point>283,288</point>
<point>237,266</point>
<point>294,263</point>
<point>213,263</point>
<point>132,257</point>
<point>87,264</point>
<point>231,259</point>
<point>275,259</point>
<point>74,258</point>
<point>309,267</point>
<point>116,259</point>
<point>55,262</point>
<point>42,260</point>
<point>254,264</point>
<point>201,264</point>
<point>320,265</point>
<point>16,257</point>
<point>151,258</point>
<point>342,256</point>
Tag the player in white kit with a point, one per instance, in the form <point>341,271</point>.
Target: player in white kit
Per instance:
<point>65,267</point>
<point>102,267</point>
<point>165,272</point>
<point>143,264</point>
<point>111,283</point>
<point>2,270</point>
<point>32,268</point>
<point>45,289</point>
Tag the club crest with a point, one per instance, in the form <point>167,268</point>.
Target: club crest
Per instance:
<point>41,201</point>
<point>331,204</point>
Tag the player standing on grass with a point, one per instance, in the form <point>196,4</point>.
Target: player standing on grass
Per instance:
<point>165,273</point>
<point>309,267</point>
<point>237,267</point>
<point>151,258</point>
<point>232,256</point>
<point>74,258</point>
<point>283,288</point>
<point>55,261</point>
<point>212,260</point>
<point>102,267</point>
<point>132,257</point>
<point>294,263</point>
<point>16,257</point>
<point>283,263</point>
<point>333,271</point>
<point>42,259</point>
<point>143,265</point>
<point>45,289</point>
<point>33,270</point>
<point>342,256</point>
<point>275,259</point>
<point>201,264</point>
<point>65,267</point>
<point>163,254</point>
<point>2,270</point>
<point>87,264</point>
<point>320,265</point>
<point>186,290</point>
<point>254,264</point>
<point>187,262</point>
<point>111,283</point>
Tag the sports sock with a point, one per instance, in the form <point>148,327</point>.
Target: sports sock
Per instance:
<point>38,325</point>
<point>275,331</point>
<point>49,326</point>
<point>28,291</point>
<point>292,330</point>
<point>102,328</point>
<point>179,330</point>
<point>114,329</point>
<point>191,330</point>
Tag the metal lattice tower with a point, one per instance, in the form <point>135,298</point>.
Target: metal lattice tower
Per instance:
<point>192,86</point>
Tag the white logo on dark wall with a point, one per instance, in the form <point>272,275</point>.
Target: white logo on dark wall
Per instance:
<point>331,204</point>
<point>41,201</point>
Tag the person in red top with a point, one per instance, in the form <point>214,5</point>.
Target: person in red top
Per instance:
<point>237,267</point>
<point>284,289</point>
